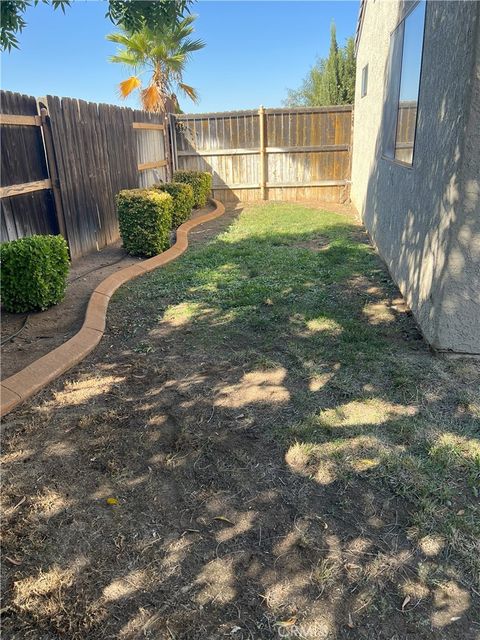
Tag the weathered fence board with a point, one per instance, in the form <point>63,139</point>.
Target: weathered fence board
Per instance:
<point>27,207</point>
<point>291,154</point>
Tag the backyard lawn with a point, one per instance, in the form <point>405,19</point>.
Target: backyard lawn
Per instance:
<point>262,446</point>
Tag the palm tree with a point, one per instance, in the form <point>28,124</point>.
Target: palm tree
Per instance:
<point>162,53</point>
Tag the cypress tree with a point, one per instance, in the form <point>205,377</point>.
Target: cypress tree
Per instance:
<point>332,69</point>
<point>330,81</point>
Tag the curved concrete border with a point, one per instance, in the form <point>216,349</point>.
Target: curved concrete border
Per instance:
<point>28,381</point>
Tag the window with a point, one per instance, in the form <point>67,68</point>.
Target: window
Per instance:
<point>401,105</point>
<point>363,92</point>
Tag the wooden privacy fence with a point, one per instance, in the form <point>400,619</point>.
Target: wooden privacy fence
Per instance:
<point>64,160</point>
<point>269,154</point>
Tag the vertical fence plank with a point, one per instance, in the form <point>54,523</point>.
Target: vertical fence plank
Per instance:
<point>53,170</point>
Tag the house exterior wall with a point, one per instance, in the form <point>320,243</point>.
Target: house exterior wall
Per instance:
<point>425,219</point>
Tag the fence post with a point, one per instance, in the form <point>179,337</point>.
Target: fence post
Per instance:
<point>263,154</point>
<point>173,140</point>
<point>52,169</point>
<point>166,143</point>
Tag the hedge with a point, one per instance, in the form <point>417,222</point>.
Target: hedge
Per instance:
<point>201,183</point>
<point>34,273</point>
<point>145,220</point>
<point>182,195</point>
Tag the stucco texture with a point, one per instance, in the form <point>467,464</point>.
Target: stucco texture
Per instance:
<point>425,219</point>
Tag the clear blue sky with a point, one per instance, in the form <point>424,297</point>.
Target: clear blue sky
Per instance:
<point>254,52</point>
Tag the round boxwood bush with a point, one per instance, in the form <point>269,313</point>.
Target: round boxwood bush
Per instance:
<point>201,183</point>
<point>145,220</point>
<point>182,194</point>
<point>34,273</point>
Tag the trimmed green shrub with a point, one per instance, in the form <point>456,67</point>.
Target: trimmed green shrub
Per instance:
<point>182,195</point>
<point>34,273</point>
<point>145,220</point>
<point>201,183</point>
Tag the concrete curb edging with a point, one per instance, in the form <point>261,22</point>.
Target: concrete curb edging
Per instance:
<point>24,384</point>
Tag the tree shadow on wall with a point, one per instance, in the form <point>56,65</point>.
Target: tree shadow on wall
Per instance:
<point>425,220</point>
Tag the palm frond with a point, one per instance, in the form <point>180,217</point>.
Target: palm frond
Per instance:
<point>127,86</point>
<point>193,45</point>
<point>152,100</point>
<point>127,58</point>
<point>175,63</point>
<point>118,38</point>
<point>189,91</point>
<point>135,43</point>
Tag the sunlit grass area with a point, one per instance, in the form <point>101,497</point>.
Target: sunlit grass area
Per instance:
<point>262,445</point>
<point>289,288</point>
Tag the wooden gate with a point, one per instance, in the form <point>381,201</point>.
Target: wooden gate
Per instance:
<point>274,154</point>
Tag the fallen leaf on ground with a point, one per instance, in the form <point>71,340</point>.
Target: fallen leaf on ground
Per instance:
<point>405,602</point>
<point>112,501</point>
<point>287,623</point>
<point>223,519</point>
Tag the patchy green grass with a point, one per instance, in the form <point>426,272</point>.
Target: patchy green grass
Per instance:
<point>289,287</point>
<point>283,451</point>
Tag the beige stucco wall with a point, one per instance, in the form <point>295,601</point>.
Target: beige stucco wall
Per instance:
<point>425,220</point>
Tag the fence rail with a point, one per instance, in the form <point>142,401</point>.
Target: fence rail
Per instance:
<point>290,154</point>
<point>64,160</point>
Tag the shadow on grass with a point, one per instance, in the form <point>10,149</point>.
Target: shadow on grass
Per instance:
<point>287,456</point>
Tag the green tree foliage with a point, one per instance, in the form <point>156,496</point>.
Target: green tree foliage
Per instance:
<point>132,14</point>
<point>330,81</point>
